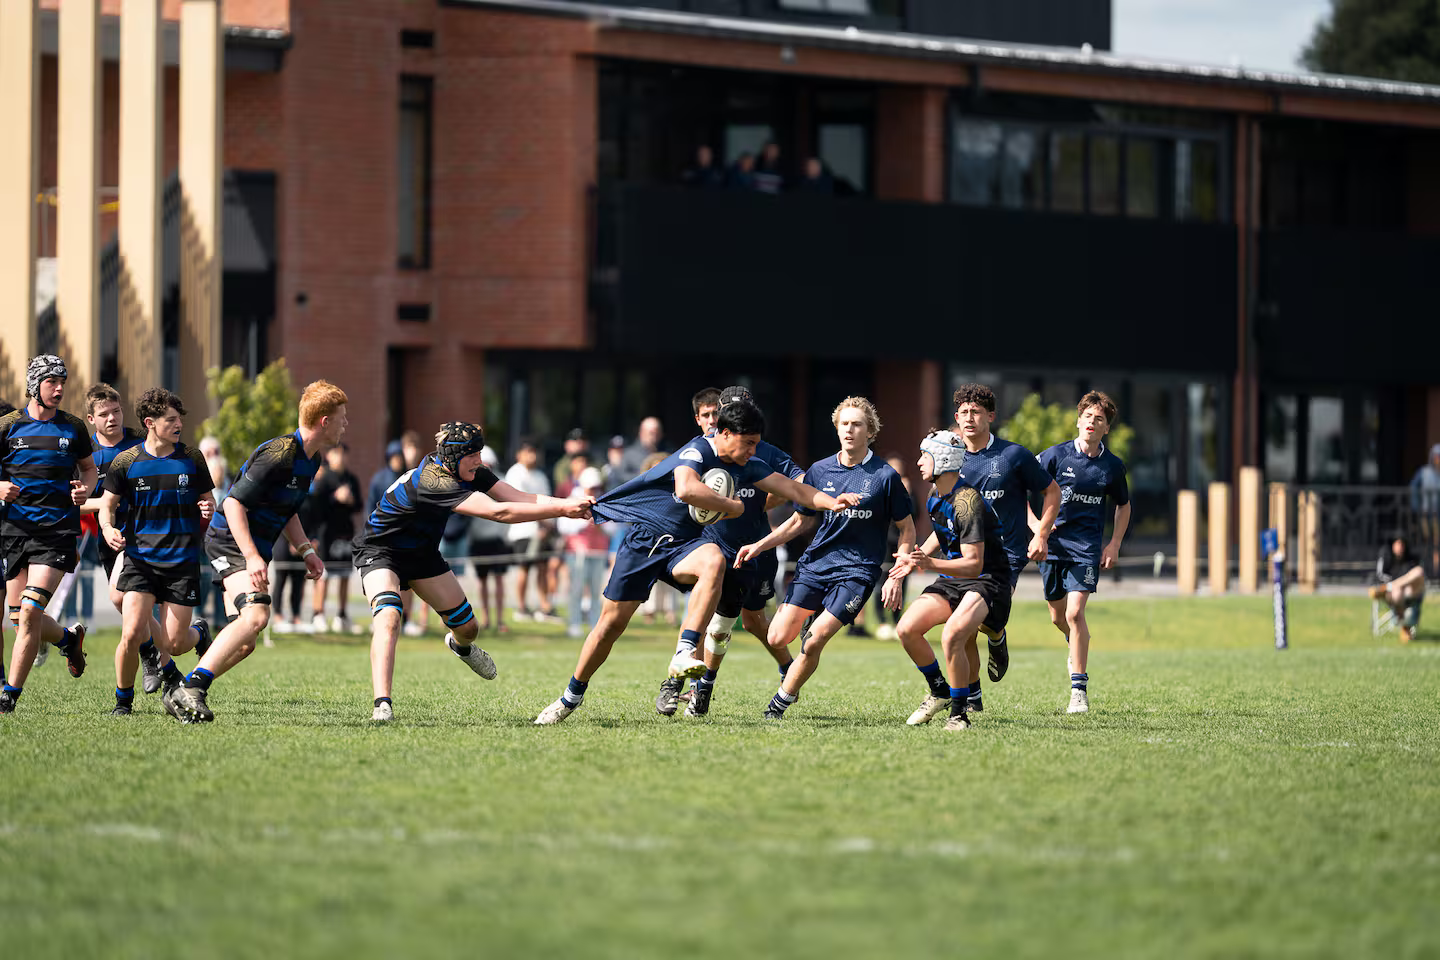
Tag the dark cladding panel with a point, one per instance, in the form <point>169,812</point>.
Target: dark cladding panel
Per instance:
<point>734,273</point>
<point>1348,305</point>
<point>1062,23</point>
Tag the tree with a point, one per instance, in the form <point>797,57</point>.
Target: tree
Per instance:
<point>250,412</point>
<point>1037,427</point>
<point>1391,39</point>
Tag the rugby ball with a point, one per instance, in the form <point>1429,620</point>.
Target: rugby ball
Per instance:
<point>722,483</point>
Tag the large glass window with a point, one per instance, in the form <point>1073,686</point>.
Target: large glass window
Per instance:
<point>1142,177</point>
<point>1197,180</point>
<point>1022,175</point>
<point>1326,454</point>
<point>1104,175</point>
<point>845,150</point>
<point>1281,456</point>
<point>977,152</point>
<point>413,168</point>
<point>1067,172</point>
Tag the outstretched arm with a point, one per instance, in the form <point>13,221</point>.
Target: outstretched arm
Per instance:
<point>518,511</point>
<point>794,525</point>
<point>806,495</point>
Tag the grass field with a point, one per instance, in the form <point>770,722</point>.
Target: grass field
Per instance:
<point>1222,799</point>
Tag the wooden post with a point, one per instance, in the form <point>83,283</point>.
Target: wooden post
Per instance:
<point>1219,521</point>
<point>1249,510</point>
<point>1308,515</point>
<point>1280,519</point>
<point>142,111</point>
<point>202,87</point>
<point>19,180</point>
<point>77,302</point>
<point>1187,530</point>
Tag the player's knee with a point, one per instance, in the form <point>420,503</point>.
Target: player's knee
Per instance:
<point>718,634</point>
<point>14,613</point>
<point>385,606</point>
<point>460,620</point>
<point>33,601</point>
<point>1075,617</point>
<point>253,612</point>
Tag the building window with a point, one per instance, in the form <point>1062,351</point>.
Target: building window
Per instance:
<point>1197,181</point>
<point>1142,177</point>
<point>1105,175</point>
<point>977,151</point>
<point>413,187</point>
<point>1067,172</point>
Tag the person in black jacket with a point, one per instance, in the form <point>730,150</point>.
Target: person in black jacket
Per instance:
<point>335,500</point>
<point>1402,584</point>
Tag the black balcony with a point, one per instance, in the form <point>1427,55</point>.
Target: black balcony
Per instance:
<point>682,271</point>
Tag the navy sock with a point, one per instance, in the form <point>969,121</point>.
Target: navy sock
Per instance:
<point>575,692</point>
<point>199,677</point>
<point>1078,681</point>
<point>171,673</point>
<point>784,668</point>
<point>380,700</point>
<point>935,679</point>
<point>959,697</point>
<point>65,637</point>
<point>125,695</point>
<point>14,691</point>
<point>781,701</point>
<point>709,676</point>
<point>975,690</point>
<point>689,640</point>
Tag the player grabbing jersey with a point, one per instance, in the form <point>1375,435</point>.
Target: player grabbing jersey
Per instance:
<point>399,548</point>
<point>972,591</point>
<point>262,504</point>
<point>665,543</point>
<point>41,449</point>
<point>836,574</point>
<point>166,490</point>
<point>1087,474</point>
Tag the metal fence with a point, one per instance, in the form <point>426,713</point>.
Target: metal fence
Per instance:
<point>1355,522</point>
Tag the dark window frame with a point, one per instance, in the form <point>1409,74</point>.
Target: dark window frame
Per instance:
<point>424,86</point>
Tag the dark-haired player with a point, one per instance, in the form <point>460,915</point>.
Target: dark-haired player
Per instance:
<point>972,591</point>
<point>1009,478</point>
<point>41,448</point>
<point>1088,474</point>
<point>748,587</point>
<point>399,547</point>
<point>839,570</point>
<point>665,543</point>
<point>166,488</point>
<point>261,505</point>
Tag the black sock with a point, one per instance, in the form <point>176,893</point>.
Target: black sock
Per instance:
<point>199,678</point>
<point>463,651</point>
<point>125,695</point>
<point>974,689</point>
<point>380,700</point>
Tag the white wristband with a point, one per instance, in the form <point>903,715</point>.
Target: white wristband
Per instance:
<point>306,550</point>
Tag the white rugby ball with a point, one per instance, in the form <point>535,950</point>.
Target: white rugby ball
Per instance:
<point>722,483</point>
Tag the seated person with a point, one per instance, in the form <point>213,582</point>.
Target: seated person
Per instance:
<point>1402,585</point>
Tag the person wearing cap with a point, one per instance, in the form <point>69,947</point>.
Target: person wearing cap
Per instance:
<point>1402,584</point>
<point>399,547</point>
<point>575,445</point>
<point>587,552</point>
<point>613,469</point>
<point>386,475</point>
<point>1425,501</point>
<point>41,449</point>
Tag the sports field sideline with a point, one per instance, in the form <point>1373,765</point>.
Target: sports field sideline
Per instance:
<point>1220,799</point>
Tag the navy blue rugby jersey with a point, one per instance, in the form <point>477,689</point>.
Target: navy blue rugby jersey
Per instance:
<point>104,456</point>
<point>852,543</point>
<point>650,500</point>
<point>753,524</point>
<point>163,528</point>
<point>1007,475</point>
<point>1085,482</point>
<point>272,485</point>
<point>414,509</point>
<point>965,516</point>
<point>41,456</point>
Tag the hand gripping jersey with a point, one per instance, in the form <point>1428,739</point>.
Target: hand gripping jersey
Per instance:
<point>649,499</point>
<point>272,485</point>
<point>40,457</point>
<point>753,524</point>
<point>163,528</point>
<point>1007,475</point>
<point>851,543</point>
<point>965,516</point>
<point>413,512</point>
<point>1085,482</point>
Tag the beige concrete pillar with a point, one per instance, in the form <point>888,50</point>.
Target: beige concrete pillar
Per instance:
<point>1219,523</point>
<point>1187,537</point>
<point>1307,515</point>
<point>1280,518</point>
<point>77,301</point>
<point>1248,509</point>
<point>142,129</point>
<point>202,79</point>
<point>19,183</point>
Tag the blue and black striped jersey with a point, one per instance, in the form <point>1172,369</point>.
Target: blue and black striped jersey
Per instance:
<point>272,485</point>
<point>413,512</point>
<point>965,516</point>
<point>104,456</point>
<point>164,528</point>
<point>40,457</point>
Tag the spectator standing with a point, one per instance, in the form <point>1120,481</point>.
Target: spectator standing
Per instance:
<point>489,539</point>
<point>587,550</point>
<point>768,178</point>
<point>1425,501</point>
<point>380,481</point>
<point>575,444</point>
<point>817,181</point>
<point>614,469</point>
<point>335,497</point>
<point>646,445</point>
<point>528,538</point>
<point>705,172</point>
<point>742,174</point>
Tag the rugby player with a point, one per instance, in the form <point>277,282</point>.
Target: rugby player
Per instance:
<point>1087,474</point>
<point>664,542</point>
<point>399,547</point>
<point>262,505</point>
<point>167,490</point>
<point>41,448</point>
<point>838,571</point>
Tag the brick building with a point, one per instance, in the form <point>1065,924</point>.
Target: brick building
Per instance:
<point>472,208</point>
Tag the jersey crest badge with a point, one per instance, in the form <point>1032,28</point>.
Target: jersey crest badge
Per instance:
<point>64,443</point>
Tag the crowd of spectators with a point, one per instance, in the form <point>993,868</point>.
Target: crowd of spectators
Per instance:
<point>764,173</point>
